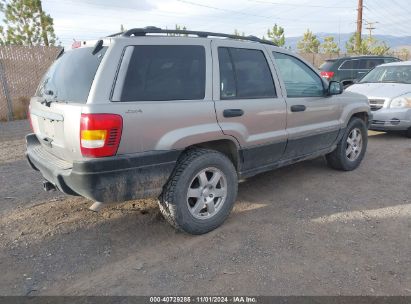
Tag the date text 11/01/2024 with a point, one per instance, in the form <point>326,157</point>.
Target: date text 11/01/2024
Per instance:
<point>205,299</point>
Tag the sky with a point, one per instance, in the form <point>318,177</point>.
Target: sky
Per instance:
<point>91,19</point>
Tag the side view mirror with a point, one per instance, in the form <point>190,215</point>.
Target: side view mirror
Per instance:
<point>335,88</point>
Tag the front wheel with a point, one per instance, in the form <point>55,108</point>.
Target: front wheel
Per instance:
<point>351,148</point>
<point>201,191</point>
<point>408,133</point>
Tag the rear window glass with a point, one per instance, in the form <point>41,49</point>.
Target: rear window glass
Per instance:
<point>163,72</point>
<point>326,66</point>
<point>70,77</point>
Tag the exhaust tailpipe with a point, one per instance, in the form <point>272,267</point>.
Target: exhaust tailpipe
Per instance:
<point>47,186</point>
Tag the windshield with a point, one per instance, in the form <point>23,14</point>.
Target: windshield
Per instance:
<point>70,77</point>
<point>392,73</point>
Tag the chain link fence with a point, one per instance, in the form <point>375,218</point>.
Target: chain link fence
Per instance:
<point>21,69</point>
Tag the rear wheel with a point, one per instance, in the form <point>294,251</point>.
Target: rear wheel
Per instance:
<point>351,148</point>
<point>408,133</point>
<point>200,193</point>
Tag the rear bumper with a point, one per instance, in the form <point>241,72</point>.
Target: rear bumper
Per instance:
<point>108,179</point>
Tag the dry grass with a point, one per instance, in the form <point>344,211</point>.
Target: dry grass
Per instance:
<point>20,108</point>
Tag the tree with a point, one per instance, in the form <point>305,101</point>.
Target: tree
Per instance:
<point>309,43</point>
<point>26,24</point>
<point>276,35</point>
<point>329,47</point>
<point>378,47</point>
<point>405,53</point>
<point>354,49</point>
<point>237,33</point>
<point>370,46</point>
<point>351,45</point>
<point>179,28</point>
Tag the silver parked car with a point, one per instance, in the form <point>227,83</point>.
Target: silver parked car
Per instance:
<point>180,118</point>
<point>388,88</point>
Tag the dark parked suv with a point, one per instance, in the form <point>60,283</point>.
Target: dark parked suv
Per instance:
<point>347,69</point>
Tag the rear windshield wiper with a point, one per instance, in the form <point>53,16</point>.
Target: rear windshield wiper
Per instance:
<point>46,102</point>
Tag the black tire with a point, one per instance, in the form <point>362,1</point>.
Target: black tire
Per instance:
<point>338,158</point>
<point>173,201</point>
<point>408,133</point>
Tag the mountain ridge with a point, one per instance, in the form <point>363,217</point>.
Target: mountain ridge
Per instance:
<point>394,42</point>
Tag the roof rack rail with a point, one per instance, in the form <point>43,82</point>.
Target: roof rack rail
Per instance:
<point>138,32</point>
<point>115,34</point>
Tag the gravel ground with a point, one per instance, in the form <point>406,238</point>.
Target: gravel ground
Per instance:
<point>299,230</point>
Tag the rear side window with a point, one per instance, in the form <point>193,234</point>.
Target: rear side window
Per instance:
<point>244,73</point>
<point>349,65</point>
<point>368,64</point>
<point>162,72</point>
<point>70,77</point>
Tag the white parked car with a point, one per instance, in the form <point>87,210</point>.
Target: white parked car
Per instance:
<point>388,88</point>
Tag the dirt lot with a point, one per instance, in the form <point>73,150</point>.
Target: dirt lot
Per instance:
<point>300,230</point>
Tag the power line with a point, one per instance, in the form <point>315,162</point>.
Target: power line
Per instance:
<point>299,5</point>
<point>249,14</point>
<point>168,15</point>
<point>249,10</point>
<point>404,8</point>
<point>377,10</point>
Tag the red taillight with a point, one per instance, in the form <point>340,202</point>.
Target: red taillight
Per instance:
<point>76,44</point>
<point>327,75</point>
<point>100,134</point>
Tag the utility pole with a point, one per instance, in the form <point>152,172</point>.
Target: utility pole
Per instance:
<point>370,27</point>
<point>43,26</point>
<point>339,33</point>
<point>359,25</point>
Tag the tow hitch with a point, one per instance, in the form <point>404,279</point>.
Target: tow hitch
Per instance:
<point>47,186</point>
